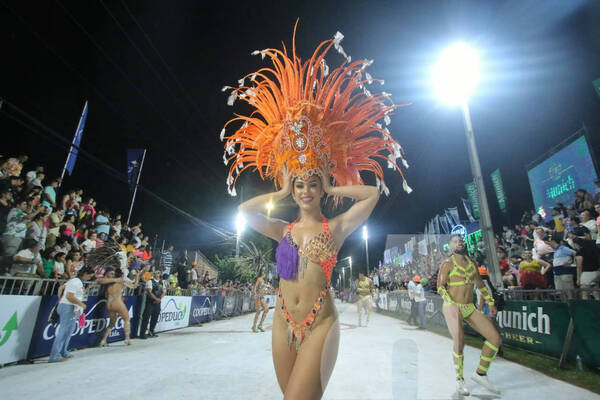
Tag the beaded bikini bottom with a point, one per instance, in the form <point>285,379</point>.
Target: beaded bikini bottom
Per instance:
<point>298,332</point>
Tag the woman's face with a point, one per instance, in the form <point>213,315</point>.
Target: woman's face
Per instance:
<point>307,193</point>
<point>110,274</point>
<point>527,255</point>
<point>76,255</point>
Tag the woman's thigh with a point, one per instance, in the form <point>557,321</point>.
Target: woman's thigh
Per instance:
<point>263,304</point>
<point>284,355</point>
<point>454,321</point>
<point>314,363</point>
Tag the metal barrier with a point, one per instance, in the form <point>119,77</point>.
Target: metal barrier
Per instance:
<point>12,285</point>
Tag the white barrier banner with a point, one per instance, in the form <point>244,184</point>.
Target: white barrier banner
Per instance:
<point>17,320</point>
<point>174,313</point>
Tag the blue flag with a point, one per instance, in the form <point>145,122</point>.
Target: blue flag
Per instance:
<point>135,159</point>
<point>72,157</point>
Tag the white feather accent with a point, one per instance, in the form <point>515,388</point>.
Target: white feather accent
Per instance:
<point>222,136</point>
<point>245,125</point>
<point>367,93</point>
<point>378,125</point>
<point>378,182</point>
<point>390,165</point>
<point>225,88</point>
<point>255,53</point>
<point>325,67</point>
<point>369,77</point>
<point>250,92</point>
<point>386,191</point>
<point>406,188</point>
<point>387,120</point>
<point>225,161</point>
<point>241,82</point>
<point>262,57</point>
<point>229,180</point>
<point>241,165</point>
<point>231,98</point>
<point>405,163</point>
<point>338,37</point>
<point>253,78</point>
<point>382,82</point>
<point>230,149</point>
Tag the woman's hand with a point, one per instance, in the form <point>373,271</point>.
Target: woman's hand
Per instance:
<point>286,188</point>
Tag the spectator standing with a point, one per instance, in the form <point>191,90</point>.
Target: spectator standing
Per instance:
<point>103,222</point>
<point>69,308</point>
<point>37,230</point>
<point>54,221</point>
<point>59,271</point>
<point>562,266</point>
<point>27,262</point>
<point>154,294</point>
<point>6,200</point>
<point>13,166</point>
<point>530,270</point>
<point>16,227</point>
<point>590,224</point>
<point>31,175</point>
<point>49,195</point>
<point>509,235</point>
<point>588,274</point>
<point>420,300</point>
<point>577,230</point>
<point>413,307</point>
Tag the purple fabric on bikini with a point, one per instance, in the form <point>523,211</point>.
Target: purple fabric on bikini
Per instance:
<point>287,260</point>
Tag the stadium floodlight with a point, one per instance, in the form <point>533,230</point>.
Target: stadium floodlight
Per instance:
<point>454,78</point>
<point>456,73</point>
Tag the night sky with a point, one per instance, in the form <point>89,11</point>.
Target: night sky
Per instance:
<point>539,60</point>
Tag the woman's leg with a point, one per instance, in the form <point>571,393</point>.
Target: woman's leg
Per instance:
<point>368,307</point>
<point>257,307</point>
<point>112,316</point>
<point>314,363</point>
<point>70,328</point>
<point>359,309</point>
<point>63,331</point>
<point>454,322</point>
<point>284,355</point>
<point>124,314</point>
<point>493,340</point>
<point>265,309</point>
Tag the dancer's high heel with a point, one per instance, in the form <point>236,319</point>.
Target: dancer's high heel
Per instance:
<point>128,342</point>
<point>103,344</point>
<point>254,329</point>
<point>260,328</point>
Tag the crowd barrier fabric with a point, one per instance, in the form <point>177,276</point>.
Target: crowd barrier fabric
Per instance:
<point>174,313</point>
<point>88,335</point>
<point>201,309</point>
<point>586,319</point>
<point>17,320</point>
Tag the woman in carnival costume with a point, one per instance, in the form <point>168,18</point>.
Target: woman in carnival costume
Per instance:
<point>312,132</point>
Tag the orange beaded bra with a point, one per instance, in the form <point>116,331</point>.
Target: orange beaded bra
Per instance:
<point>320,250</point>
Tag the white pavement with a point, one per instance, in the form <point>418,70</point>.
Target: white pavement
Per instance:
<point>224,360</point>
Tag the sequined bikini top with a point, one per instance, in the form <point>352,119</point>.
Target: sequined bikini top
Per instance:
<point>321,250</point>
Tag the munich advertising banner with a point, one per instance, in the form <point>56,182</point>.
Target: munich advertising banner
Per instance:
<point>538,326</point>
<point>17,320</point>
<point>174,313</point>
<point>586,317</point>
<point>88,335</point>
<point>201,308</point>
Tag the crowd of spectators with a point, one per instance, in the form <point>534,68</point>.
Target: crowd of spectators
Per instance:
<point>560,251</point>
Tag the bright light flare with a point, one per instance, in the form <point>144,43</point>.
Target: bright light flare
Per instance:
<point>240,223</point>
<point>456,73</point>
<point>269,206</point>
<point>365,233</point>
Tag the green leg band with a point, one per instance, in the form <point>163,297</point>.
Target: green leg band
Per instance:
<point>487,359</point>
<point>458,366</point>
<point>491,346</point>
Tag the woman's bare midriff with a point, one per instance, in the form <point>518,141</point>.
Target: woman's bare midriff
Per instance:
<point>461,294</point>
<point>300,296</point>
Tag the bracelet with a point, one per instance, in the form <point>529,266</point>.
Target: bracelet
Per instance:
<point>487,297</point>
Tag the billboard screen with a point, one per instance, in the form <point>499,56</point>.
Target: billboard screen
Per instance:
<point>558,177</point>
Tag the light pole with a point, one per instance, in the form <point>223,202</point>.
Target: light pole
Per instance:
<point>349,258</point>
<point>454,78</point>
<point>366,238</point>
<point>240,224</point>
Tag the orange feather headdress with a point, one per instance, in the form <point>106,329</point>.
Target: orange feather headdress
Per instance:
<point>309,119</point>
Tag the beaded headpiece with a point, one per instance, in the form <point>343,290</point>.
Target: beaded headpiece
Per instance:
<point>309,119</point>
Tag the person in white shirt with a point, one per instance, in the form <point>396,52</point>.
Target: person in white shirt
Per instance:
<point>69,308</point>
<point>590,223</point>
<point>412,319</point>
<point>420,300</point>
<point>89,244</point>
<point>28,262</point>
